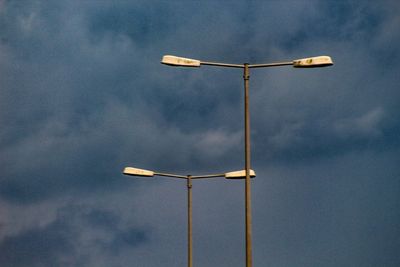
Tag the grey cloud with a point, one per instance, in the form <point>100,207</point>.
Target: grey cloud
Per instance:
<point>41,247</point>
<point>143,28</point>
<point>62,243</point>
<point>365,125</point>
<point>339,206</point>
<point>38,247</point>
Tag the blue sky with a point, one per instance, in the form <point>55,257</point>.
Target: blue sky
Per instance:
<point>83,94</point>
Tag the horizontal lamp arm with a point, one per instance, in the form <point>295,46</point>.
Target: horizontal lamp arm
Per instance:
<point>208,176</point>
<point>171,175</point>
<point>217,64</point>
<point>191,176</point>
<point>270,65</point>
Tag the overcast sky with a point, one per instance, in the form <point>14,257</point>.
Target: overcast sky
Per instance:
<point>83,94</point>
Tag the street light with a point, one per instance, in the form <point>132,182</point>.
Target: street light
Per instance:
<point>311,62</point>
<point>228,175</point>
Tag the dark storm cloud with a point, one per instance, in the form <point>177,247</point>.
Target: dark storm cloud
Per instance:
<point>68,240</point>
<point>131,20</point>
<point>37,247</point>
<point>331,211</point>
<point>82,94</point>
<point>318,117</point>
<point>51,101</point>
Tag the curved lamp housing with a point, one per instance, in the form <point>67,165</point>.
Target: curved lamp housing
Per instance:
<point>138,172</point>
<point>180,61</point>
<point>313,62</point>
<point>239,174</point>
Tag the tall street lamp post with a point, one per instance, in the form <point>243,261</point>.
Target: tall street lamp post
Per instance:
<point>312,62</point>
<point>228,175</point>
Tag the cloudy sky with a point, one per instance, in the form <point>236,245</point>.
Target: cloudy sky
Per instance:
<point>83,94</point>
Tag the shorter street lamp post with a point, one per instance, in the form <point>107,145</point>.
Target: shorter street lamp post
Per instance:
<point>311,62</point>
<point>228,175</point>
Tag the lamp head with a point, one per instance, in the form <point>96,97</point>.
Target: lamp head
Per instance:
<point>138,172</point>
<point>313,62</point>
<point>239,174</point>
<point>180,61</point>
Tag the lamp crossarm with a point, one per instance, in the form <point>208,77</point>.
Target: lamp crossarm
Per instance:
<point>252,66</point>
<point>277,64</point>
<point>208,176</point>
<point>171,175</point>
<point>217,64</point>
<point>191,176</point>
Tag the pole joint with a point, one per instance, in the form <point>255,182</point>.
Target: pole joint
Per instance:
<point>246,73</point>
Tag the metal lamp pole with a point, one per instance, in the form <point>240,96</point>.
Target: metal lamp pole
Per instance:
<point>229,175</point>
<point>189,214</point>
<point>246,77</point>
<point>313,62</point>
